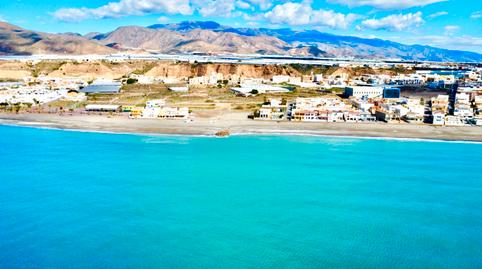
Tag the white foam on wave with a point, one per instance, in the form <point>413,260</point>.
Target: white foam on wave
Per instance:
<point>312,134</point>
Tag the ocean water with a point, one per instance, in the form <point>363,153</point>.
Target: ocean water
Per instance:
<point>92,200</point>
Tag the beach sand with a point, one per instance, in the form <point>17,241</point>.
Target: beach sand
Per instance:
<point>238,123</point>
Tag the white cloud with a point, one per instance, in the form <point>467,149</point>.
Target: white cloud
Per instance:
<point>72,14</point>
<point>125,8</point>
<point>302,14</point>
<point>163,19</point>
<point>219,8</point>
<point>396,22</point>
<point>464,42</point>
<point>449,29</point>
<point>2,19</point>
<point>243,5</point>
<point>121,8</point>
<point>263,4</point>
<point>476,15</point>
<point>386,4</point>
<point>438,14</point>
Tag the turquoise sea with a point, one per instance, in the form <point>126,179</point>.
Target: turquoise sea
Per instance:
<point>91,200</point>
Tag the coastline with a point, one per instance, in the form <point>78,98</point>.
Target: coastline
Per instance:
<point>238,124</point>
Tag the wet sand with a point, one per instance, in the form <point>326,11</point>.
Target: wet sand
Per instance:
<point>238,123</point>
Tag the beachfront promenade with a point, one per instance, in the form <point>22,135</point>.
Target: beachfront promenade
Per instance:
<point>238,123</point>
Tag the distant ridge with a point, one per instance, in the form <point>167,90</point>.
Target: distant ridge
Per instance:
<point>213,38</point>
<point>18,41</point>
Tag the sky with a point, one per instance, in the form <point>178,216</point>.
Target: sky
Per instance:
<point>452,24</point>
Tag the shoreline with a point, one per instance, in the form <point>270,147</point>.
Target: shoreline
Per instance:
<point>237,124</point>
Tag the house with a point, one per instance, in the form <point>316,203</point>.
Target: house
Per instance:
<point>386,115</point>
<point>179,89</point>
<point>462,106</point>
<point>451,120</point>
<point>153,108</point>
<point>352,116</point>
<point>367,117</point>
<point>438,117</point>
<point>441,102</point>
<point>327,109</point>
<point>274,110</point>
<point>362,105</point>
<point>151,112</point>
<point>158,109</point>
<point>413,117</point>
<point>174,112</point>
<point>280,79</point>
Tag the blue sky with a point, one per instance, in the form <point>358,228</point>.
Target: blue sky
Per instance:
<point>453,24</point>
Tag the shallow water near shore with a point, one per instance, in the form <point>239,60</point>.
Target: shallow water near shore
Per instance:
<point>94,200</point>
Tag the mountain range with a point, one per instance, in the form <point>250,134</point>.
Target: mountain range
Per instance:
<point>213,38</point>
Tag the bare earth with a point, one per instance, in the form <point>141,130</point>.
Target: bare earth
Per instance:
<point>237,123</point>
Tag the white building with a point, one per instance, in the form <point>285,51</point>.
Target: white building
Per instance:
<point>318,109</point>
<point>280,79</point>
<point>454,121</point>
<point>158,109</point>
<point>275,110</point>
<point>363,106</point>
<point>179,89</point>
<point>462,106</point>
<point>438,118</point>
<point>174,112</point>
<point>364,91</point>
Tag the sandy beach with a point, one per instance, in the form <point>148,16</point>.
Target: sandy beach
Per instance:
<point>238,123</point>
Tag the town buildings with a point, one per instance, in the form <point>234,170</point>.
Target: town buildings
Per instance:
<point>275,109</point>
<point>159,109</point>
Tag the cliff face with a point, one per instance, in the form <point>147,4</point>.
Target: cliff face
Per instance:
<point>169,69</point>
<point>183,70</point>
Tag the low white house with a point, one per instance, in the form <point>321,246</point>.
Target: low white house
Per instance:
<point>454,121</point>
<point>179,89</point>
<point>438,118</point>
<point>158,109</point>
<point>174,112</point>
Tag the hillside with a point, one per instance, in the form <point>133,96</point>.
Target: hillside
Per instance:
<point>336,45</point>
<point>17,41</point>
<point>195,40</point>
